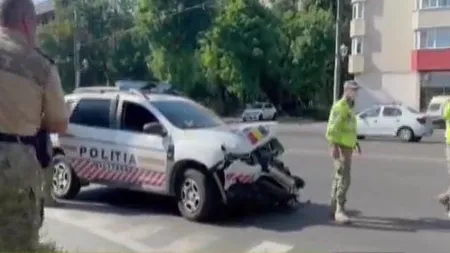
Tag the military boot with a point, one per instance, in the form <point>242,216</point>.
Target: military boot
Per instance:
<point>340,216</point>
<point>444,199</point>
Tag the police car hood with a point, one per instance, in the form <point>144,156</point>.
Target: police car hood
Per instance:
<point>240,138</point>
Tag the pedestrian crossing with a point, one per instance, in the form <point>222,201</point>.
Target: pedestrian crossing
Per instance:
<point>169,234</point>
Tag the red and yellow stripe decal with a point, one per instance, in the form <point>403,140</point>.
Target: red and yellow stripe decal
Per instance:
<point>255,136</point>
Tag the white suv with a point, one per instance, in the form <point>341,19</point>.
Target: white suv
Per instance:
<point>168,145</point>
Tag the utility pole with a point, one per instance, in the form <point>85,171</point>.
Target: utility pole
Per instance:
<point>76,48</point>
<point>337,55</point>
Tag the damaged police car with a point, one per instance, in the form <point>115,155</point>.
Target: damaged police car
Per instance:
<point>169,145</point>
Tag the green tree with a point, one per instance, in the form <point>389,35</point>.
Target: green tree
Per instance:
<point>172,28</point>
<point>240,52</point>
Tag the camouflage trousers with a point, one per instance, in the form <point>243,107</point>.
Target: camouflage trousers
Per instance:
<point>342,177</point>
<point>20,193</point>
<point>447,156</point>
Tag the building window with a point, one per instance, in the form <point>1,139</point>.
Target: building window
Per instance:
<point>433,4</point>
<point>358,10</point>
<point>433,38</point>
<point>357,45</point>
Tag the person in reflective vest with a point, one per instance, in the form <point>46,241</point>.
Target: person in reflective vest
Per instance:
<point>342,137</point>
<point>444,198</point>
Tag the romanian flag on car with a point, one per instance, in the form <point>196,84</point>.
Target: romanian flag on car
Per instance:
<point>256,135</point>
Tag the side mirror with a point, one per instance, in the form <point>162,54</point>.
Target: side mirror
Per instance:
<point>154,128</point>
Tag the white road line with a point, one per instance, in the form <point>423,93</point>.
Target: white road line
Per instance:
<point>92,219</point>
<point>100,232</point>
<point>415,158</point>
<point>270,247</point>
<point>192,243</point>
<point>141,231</point>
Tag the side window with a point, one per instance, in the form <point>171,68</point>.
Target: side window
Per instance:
<point>92,112</point>
<point>371,113</point>
<point>135,116</point>
<point>391,112</point>
<point>267,106</point>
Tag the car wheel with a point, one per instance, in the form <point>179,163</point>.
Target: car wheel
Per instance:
<point>360,137</point>
<point>196,196</point>
<point>65,183</point>
<point>274,116</point>
<point>406,134</point>
<point>260,117</point>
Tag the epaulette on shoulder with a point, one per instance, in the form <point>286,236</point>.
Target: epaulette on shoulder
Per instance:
<point>45,56</point>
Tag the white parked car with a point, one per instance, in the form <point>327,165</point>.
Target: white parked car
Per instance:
<point>394,120</point>
<point>168,145</point>
<point>260,111</point>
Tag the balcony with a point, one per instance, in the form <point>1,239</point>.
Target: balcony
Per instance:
<point>431,18</point>
<point>356,64</point>
<point>357,27</point>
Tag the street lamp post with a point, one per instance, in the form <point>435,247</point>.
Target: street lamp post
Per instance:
<point>337,57</point>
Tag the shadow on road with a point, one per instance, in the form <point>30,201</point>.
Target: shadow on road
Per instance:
<point>315,214</point>
<point>125,202</point>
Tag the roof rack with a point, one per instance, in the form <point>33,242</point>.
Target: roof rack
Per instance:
<point>96,89</point>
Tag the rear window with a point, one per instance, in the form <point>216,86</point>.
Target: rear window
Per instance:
<point>412,110</point>
<point>434,107</point>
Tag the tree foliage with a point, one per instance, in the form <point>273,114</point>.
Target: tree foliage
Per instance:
<point>225,53</point>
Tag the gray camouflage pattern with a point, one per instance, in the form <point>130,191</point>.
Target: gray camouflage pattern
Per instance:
<point>20,193</point>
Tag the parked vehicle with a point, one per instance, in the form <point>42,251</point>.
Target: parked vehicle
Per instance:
<point>169,145</point>
<point>435,109</point>
<point>394,120</point>
<point>259,111</point>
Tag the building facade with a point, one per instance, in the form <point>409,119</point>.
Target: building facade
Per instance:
<point>400,50</point>
<point>45,11</point>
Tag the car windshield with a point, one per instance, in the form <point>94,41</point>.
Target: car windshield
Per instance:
<point>434,107</point>
<point>187,115</point>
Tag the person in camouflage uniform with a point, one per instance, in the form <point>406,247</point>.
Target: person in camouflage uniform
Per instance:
<point>342,136</point>
<point>31,98</point>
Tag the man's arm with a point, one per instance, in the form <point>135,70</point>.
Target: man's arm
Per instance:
<point>55,118</point>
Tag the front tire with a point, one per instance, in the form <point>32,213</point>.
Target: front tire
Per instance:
<point>65,183</point>
<point>406,134</point>
<point>274,116</point>
<point>196,195</point>
<point>260,117</point>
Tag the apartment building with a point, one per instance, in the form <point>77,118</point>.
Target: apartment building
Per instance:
<point>400,50</point>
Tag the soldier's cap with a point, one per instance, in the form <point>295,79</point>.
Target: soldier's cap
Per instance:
<point>351,84</point>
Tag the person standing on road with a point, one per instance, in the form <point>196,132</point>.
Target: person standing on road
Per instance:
<point>31,98</point>
<point>342,136</point>
<point>444,198</point>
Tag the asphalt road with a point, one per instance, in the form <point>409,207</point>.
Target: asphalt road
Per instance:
<point>391,200</point>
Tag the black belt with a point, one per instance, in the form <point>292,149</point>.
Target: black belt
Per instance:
<point>27,140</point>
<point>39,142</point>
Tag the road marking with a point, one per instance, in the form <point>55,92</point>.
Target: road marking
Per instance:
<point>270,247</point>
<point>93,220</point>
<point>61,216</point>
<point>192,243</point>
<point>415,158</point>
<point>141,232</point>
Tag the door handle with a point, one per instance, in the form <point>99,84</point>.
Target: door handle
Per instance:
<point>375,121</point>
<point>397,120</point>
